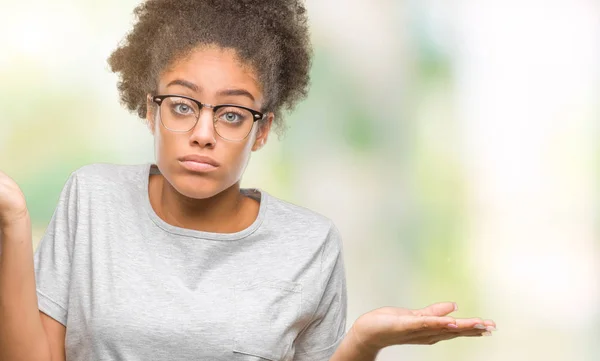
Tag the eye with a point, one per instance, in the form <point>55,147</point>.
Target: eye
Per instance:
<point>182,108</point>
<point>233,115</point>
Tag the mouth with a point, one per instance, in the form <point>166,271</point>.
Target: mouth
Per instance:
<point>198,163</point>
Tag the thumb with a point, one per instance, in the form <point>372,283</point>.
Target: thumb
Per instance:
<point>437,309</point>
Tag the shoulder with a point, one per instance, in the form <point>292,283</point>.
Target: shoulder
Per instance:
<point>102,178</point>
<point>297,220</point>
<point>293,213</point>
<point>108,171</point>
<point>106,174</point>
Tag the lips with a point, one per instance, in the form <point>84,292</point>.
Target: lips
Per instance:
<point>198,164</point>
<point>199,159</point>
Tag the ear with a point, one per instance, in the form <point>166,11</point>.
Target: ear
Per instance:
<point>262,132</point>
<point>151,107</point>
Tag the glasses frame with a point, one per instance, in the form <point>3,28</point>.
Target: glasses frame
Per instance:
<point>256,115</point>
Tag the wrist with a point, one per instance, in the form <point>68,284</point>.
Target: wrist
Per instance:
<point>363,347</point>
<point>18,222</point>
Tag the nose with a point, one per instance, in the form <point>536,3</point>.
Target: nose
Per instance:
<point>203,134</point>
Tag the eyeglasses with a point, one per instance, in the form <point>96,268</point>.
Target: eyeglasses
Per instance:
<point>180,114</point>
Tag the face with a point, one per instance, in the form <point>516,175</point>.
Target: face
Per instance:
<point>212,76</point>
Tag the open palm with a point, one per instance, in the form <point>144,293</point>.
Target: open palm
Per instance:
<point>389,326</point>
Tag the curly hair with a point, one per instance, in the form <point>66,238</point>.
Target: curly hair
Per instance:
<point>269,35</point>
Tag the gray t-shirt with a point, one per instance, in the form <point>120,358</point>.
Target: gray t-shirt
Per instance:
<point>129,286</point>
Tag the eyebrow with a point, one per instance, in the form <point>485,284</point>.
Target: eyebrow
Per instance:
<point>184,83</point>
<point>236,92</point>
<point>226,92</point>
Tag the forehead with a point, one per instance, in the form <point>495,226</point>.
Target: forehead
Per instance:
<point>212,68</point>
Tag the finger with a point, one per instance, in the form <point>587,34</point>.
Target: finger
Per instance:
<point>413,324</point>
<point>433,339</point>
<point>442,332</point>
<point>437,309</point>
<point>470,323</point>
<point>476,323</point>
<point>476,333</point>
<point>490,325</point>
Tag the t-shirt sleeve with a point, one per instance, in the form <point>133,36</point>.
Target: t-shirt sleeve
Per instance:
<point>324,333</point>
<point>52,257</point>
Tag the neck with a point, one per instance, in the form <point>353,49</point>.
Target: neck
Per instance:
<point>226,212</point>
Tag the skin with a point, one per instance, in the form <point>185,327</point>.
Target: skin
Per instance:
<point>209,202</point>
<point>212,202</point>
<point>387,326</point>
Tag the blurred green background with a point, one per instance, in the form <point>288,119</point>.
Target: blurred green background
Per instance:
<point>454,143</point>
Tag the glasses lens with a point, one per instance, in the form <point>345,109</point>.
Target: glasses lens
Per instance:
<point>179,114</point>
<point>233,123</point>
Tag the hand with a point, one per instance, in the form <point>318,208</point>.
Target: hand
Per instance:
<point>12,201</point>
<point>389,326</point>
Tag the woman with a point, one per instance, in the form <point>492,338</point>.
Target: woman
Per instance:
<point>174,260</point>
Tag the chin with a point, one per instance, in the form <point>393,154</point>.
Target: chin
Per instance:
<point>197,187</point>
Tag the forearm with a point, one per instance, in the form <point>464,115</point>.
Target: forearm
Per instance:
<point>22,336</point>
<point>351,349</point>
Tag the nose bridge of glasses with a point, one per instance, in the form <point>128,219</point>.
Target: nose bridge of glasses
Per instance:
<point>206,121</point>
<point>210,110</point>
<point>209,114</point>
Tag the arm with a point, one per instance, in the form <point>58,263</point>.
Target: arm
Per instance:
<point>22,335</point>
<point>56,334</point>
<point>350,350</point>
<point>25,333</point>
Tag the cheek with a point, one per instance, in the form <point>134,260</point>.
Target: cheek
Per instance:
<point>163,143</point>
<point>239,156</point>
